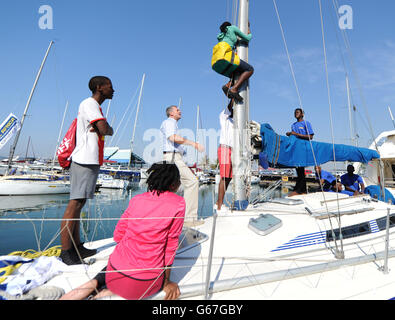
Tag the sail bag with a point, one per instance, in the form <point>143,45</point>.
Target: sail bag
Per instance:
<point>67,146</point>
<point>291,152</point>
<point>224,60</point>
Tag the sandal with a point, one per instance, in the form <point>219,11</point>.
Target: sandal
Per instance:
<point>236,96</point>
<point>232,95</point>
<point>226,90</point>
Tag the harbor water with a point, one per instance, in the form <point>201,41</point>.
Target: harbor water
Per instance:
<point>33,222</point>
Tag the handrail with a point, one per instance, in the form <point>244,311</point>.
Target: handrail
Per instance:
<point>210,256</point>
<point>352,197</point>
<point>387,241</point>
<point>194,290</point>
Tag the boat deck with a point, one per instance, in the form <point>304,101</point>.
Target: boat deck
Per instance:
<point>295,261</point>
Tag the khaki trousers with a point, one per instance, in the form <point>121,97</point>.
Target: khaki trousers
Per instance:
<point>190,183</point>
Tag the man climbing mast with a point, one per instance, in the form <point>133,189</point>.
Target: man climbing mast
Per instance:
<point>241,155</point>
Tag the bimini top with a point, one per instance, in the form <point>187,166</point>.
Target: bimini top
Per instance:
<point>291,152</point>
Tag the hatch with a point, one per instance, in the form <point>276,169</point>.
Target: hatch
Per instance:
<point>264,224</point>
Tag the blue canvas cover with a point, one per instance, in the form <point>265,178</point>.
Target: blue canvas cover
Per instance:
<point>376,192</point>
<point>290,152</point>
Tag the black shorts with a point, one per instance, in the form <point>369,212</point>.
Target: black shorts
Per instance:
<point>329,185</point>
<point>301,185</point>
<point>243,67</point>
<point>101,279</point>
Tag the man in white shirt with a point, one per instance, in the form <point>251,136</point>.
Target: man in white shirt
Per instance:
<point>87,158</point>
<point>225,152</point>
<point>173,152</point>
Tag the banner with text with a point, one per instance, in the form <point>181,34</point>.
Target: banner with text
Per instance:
<point>8,129</point>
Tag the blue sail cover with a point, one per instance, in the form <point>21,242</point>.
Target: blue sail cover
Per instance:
<point>290,152</point>
<point>376,192</point>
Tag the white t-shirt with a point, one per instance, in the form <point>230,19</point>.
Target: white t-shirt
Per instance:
<point>168,128</point>
<point>90,145</point>
<point>227,128</point>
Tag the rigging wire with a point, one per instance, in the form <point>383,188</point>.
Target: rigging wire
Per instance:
<point>352,64</point>
<point>330,115</point>
<point>326,70</point>
<point>235,11</point>
<point>127,109</point>
<point>336,31</point>
<point>364,104</point>
<point>300,103</point>
<point>352,116</point>
<point>120,136</point>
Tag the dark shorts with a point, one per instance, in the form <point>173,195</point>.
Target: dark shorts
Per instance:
<point>243,67</point>
<point>300,186</point>
<point>329,185</point>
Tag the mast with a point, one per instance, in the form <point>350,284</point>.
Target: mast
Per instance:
<point>12,151</point>
<point>27,148</point>
<point>392,117</point>
<point>352,135</point>
<point>135,121</point>
<point>240,153</point>
<point>197,137</point>
<point>60,134</point>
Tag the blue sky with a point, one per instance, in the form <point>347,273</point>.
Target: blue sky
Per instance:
<point>171,42</point>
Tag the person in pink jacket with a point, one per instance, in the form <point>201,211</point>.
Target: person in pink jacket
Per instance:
<point>147,239</point>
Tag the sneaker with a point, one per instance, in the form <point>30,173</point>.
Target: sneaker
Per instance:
<point>235,95</point>
<point>84,252</point>
<point>70,257</point>
<point>225,89</point>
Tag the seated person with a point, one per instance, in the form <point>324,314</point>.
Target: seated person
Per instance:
<point>353,183</point>
<point>327,180</point>
<point>140,263</point>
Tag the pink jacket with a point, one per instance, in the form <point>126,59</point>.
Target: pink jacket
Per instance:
<point>147,234</point>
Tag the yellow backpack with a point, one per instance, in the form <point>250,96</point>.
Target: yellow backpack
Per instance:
<point>224,60</point>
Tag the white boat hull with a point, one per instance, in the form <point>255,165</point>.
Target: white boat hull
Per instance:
<point>31,202</point>
<point>32,187</point>
<point>295,261</point>
<point>109,182</point>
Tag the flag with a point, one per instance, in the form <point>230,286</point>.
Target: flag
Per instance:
<point>8,129</point>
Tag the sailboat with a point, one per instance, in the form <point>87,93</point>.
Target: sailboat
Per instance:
<point>381,172</point>
<point>117,177</point>
<point>315,246</point>
<point>13,184</point>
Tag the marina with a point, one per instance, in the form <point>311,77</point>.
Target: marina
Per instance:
<point>98,220</point>
<point>292,224</point>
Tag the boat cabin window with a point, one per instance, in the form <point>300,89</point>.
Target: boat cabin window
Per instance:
<point>349,232</point>
<point>382,222</point>
<point>360,229</point>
